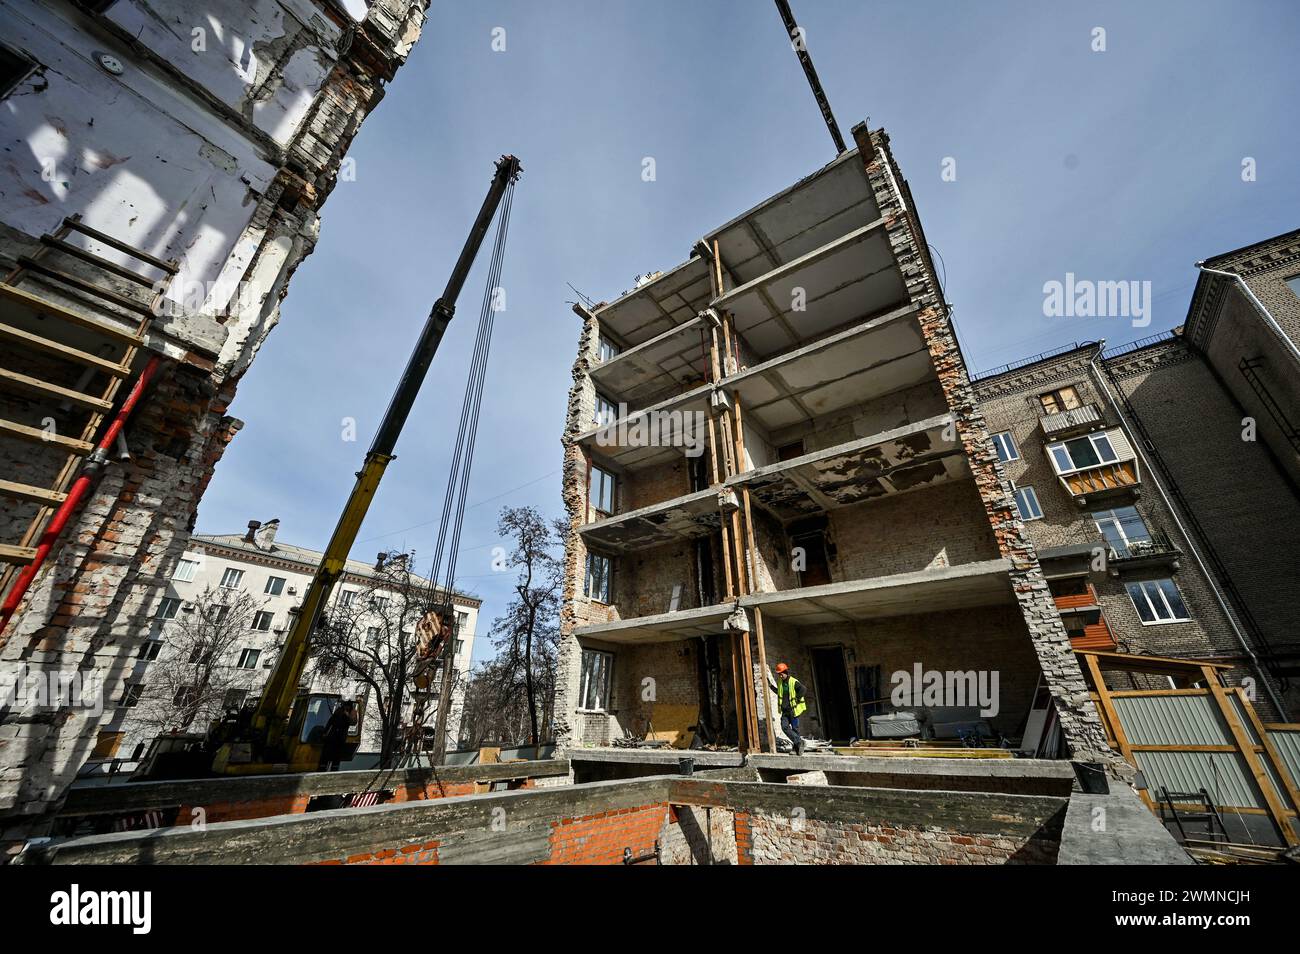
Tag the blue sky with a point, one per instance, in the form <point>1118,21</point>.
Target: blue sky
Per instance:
<point>1116,165</point>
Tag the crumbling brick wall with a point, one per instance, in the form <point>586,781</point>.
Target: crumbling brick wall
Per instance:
<point>87,609</point>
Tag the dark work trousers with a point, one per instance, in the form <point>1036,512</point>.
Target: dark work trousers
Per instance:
<point>790,726</point>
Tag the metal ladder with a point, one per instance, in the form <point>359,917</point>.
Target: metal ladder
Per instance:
<point>111,362</point>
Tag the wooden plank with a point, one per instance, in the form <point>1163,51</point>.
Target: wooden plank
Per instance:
<point>1156,693</point>
<point>1270,751</point>
<point>38,304</point>
<point>35,435</point>
<point>23,382</point>
<point>1111,716</point>
<point>1229,712</point>
<point>18,556</point>
<point>60,350</point>
<point>41,495</point>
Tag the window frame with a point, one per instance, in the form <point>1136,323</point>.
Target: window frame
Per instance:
<point>1014,453</point>
<point>167,602</point>
<point>149,650</point>
<point>1075,468</point>
<point>132,693</point>
<point>262,616</point>
<point>604,403</point>
<point>1055,394</point>
<point>601,703</point>
<point>1033,495</point>
<point>613,491</point>
<point>1111,514</point>
<point>271,590</point>
<point>20,75</point>
<point>226,575</point>
<point>180,574</point>
<point>252,655</point>
<point>1140,585</point>
<point>606,349</point>
<point>607,589</point>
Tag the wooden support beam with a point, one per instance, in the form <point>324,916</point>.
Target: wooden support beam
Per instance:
<point>1247,748</point>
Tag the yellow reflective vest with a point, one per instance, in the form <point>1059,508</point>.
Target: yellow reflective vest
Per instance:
<point>790,692</point>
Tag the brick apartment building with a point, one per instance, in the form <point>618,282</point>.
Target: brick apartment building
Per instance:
<point>165,167</point>
<point>773,453</point>
<point>276,574</point>
<point>1124,562</point>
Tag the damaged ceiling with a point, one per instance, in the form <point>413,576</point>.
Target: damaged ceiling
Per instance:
<point>891,462</point>
<point>683,518</point>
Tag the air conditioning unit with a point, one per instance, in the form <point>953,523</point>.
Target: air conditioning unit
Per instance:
<point>293,591</point>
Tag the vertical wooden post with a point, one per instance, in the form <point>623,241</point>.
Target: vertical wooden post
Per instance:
<point>1110,715</point>
<point>1247,749</point>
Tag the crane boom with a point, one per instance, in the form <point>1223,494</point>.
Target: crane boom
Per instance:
<point>273,709</point>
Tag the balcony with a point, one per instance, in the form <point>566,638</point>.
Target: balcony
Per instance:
<point>1158,550</point>
<point>1077,420</point>
<point>675,360</point>
<point>1097,464</point>
<point>1081,613</point>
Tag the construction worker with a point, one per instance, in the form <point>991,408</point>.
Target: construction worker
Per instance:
<point>789,692</point>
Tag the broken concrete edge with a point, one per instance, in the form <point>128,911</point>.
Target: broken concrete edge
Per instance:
<point>474,822</point>
<point>1116,829</point>
<point>1056,770</point>
<point>138,796</point>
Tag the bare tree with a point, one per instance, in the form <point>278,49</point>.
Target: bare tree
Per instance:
<point>385,639</point>
<point>527,636</point>
<point>189,682</point>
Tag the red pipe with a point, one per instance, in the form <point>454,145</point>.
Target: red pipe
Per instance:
<point>78,490</point>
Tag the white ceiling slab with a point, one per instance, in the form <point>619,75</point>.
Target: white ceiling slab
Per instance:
<point>985,583</point>
<point>675,359</point>
<point>661,628</point>
<point>661,305</point>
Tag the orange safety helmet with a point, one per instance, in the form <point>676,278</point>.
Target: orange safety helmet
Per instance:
<point>782,667</point>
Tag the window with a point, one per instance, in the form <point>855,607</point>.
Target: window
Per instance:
<point>218,614</point>
<point>230,579</point>
<point>1293,283</point>
<point>607,350</point>
<point>1157,601</point>
<point>248,658</point>
<point>372,635</point>
<point>274,585</point>
<point>262,621</point>
<point>596,670</point>
<point>601,491</point>
<point>606,411</point>
<point>1027,503</point>
<point>14,68</point>
<point>600,570</point>
<point>460,646</point>
<point>234,699</point>
<point>379,603</point>
<point>1122,527</point>
<point>1062,399</point>
<point>1006,445</point>
<point>1091,450</point>
<point>462,620</point>
<point>185,697</point>
<point>131,695</point>
<point>185,571</point>
<point>200,654</point>
<point>346,597</point>
<point>149,650</point>
<point>168,608</point>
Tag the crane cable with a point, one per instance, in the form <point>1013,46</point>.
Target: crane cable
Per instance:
<point>455,498</point>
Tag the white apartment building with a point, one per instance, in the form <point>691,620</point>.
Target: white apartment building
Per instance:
<point>276,575</point>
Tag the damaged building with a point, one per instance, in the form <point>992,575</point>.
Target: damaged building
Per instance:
<point>164,170</point>
<point>849,517</point>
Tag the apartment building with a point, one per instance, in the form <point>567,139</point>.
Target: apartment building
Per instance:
<point>166,164</point>
<point>773,454</point>
<point>217,567</point>
<point>1126,570</point>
